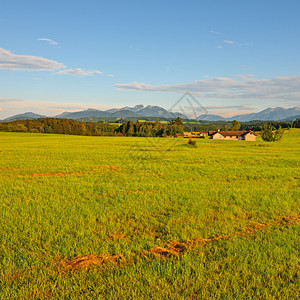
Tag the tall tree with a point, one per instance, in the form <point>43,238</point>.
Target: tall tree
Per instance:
<point>235,125</point>
<point>269,135</point>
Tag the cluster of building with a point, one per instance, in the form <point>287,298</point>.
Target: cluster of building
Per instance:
<point>223,135</point>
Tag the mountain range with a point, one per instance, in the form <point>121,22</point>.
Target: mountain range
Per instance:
<point>140,111</point>
<point>268,114</point>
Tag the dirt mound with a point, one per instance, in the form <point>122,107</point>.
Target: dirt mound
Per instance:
<point>246,231</point>
<point>84,262</point>
<point>175,248</point>
<point>289,219</point>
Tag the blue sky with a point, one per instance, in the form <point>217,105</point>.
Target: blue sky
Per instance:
<point>234,56</point>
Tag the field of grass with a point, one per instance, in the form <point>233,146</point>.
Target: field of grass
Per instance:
<point>131,218</point>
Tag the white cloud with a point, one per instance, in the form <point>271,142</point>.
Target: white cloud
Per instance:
<point>78,72</point>
<point>287,88</point>
<point>215,32</point>
<point>233,43</point>
<point>14,62</point>
<point>230,107</point>
<point>49,41</point>
<point>220,47</point>
<point>10,61</point>
<point>110,75</point>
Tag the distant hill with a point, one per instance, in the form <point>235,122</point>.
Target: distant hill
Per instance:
<point>134,109</point>
<point>269,114</point>
<point>62,115</point>
<point>157,111</point>
<point>125,114</point>
<point>148,111</point>
<point>293,118</point>
<point>210,118</point>
<point>24,116</point>
<point>88,113</point>
<point>84,114</point>
<point>140,111</point>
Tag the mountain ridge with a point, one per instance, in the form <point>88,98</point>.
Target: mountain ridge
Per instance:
<point>28,115</point>
<point>268,114</point>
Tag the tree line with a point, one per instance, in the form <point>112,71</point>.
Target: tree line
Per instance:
<point>144,129</point>
<point>256,125</point>
<point>73,127</point>
<point>151,129</point>
<point>59,126</point>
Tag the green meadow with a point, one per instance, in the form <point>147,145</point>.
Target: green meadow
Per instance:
<point>148,218</point>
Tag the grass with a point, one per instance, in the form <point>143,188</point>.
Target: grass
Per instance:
<point>63,197</point>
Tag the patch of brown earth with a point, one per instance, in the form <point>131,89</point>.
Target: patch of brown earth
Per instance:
<point>246,231</point>
<point>175,248</point>
<point>55,174</point>
<point>84,262</point>
<point>105,167</point>
<point>9,169</point>
<point>36,294</point>
<point>119,236</point>
<point>18,275</point>
<point>157,174</point>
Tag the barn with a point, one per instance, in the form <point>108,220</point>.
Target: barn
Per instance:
<point>233,135</point>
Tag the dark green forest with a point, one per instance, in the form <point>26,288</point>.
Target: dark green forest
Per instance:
<point>73,127</point>
<point>155,129</point>
<point>256,125</point>
<point>60,126</point>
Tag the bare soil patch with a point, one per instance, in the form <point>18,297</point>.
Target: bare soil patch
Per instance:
<point>105,167</point>
<point>56,174</point>
<point>175,248</point>
<point>171,250</point>
<point>119,236</point>
<point>84,262</point>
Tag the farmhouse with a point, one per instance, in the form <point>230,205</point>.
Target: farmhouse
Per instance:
<point>233,135</point>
